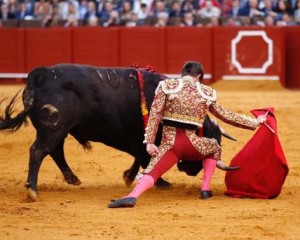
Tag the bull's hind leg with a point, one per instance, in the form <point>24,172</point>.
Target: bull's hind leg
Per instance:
<point>43,145</point>
<point>37,153</point>
<point>59,158</point>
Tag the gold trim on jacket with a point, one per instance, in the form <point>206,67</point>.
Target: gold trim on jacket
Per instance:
<point>183,100</point>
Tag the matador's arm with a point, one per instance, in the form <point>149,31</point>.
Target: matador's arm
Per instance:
<point>155,116</point>
<point>232,118</point>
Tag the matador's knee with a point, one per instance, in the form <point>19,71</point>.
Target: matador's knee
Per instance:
<point>218,153</point>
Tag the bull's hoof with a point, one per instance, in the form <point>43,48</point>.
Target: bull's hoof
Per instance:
<point>31,195</point>
<point>128,179</point>
<point>72,179</point>
<point>163,184</point>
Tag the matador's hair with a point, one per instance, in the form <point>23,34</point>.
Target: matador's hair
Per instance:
<point>193,69</point>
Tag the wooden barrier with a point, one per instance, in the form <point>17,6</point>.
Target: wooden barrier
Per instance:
<point>292,60</point>
<point>226,53</point>
<point>143,45</point>
<point>249,53</point>
<point>12,50</point>
<point>184,44</point>
<point>96,46</point>
<point>47,46</point>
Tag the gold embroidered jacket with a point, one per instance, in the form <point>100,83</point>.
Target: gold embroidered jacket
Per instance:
<point>183,100</point>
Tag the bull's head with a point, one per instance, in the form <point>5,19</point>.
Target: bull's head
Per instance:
<point>211,130</point>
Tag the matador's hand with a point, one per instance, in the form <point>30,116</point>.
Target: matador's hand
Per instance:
<point>152,149</point>
<point>261,119</point>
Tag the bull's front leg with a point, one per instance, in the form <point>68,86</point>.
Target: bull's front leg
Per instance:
<point>130,174</point>
<point>162,183</point>
<point>59,158</point>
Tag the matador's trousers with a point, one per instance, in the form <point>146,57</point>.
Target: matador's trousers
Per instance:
<point>181,144</point>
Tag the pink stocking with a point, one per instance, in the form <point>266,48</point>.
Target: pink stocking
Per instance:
<point>145,182</point>
<point>209,165</point>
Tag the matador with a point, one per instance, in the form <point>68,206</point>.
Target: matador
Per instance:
<point>181,106</point>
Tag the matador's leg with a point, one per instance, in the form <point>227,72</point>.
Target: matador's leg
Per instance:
<point>206,146</point>
<point>209,166</point>
<point>153,172</point>
<point>159,164</point>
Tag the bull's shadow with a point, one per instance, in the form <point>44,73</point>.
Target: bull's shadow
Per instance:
<point>91,191</point>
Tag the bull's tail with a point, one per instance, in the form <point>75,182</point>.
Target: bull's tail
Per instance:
<point>10,123</point>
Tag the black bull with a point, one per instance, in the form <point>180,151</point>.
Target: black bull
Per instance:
<point>92,104</point>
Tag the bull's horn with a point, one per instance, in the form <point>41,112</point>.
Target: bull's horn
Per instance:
<point>227,135</point>
<point>223,167</point>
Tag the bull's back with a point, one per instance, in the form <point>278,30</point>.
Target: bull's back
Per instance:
<point>97,104</point>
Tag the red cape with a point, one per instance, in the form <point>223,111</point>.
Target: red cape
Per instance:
<point>262,161</point>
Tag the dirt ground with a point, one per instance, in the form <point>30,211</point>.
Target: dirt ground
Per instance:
<point>63,211</point>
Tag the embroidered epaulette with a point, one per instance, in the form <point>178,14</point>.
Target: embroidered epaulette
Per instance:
<point>207,92</point>
<point>171,85</point>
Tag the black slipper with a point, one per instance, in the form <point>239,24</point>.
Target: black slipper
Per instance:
<point>127,202</point>
<point>206,194</point>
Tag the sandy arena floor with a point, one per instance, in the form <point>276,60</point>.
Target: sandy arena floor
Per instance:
<point>80,212</point>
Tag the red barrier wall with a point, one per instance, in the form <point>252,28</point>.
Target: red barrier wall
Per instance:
<point>164,48</point>
<point>96,46</point>
<point>185,44</point>
<point>293,57</point>
<point>45,47</point>
<point>12,50</point>
<point>143,45</point>
<point>243,52</point>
